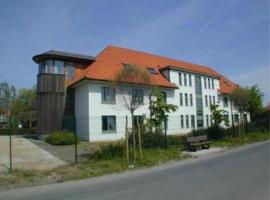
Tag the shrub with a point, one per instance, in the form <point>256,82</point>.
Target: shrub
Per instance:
<point>109,151</point>
<point>176,140</point>
<point>61,138</point>
<point>153,140</point>
<point>216,133</point>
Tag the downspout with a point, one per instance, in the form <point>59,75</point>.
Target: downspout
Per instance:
<point>232,116</point>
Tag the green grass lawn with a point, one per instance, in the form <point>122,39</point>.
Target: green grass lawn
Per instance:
<point>249,138</point>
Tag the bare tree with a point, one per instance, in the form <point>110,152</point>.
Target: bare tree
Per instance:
<point>129,83</point>
<point>240,100</point>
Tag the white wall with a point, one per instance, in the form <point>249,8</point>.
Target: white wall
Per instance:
<point>89,108</point>
<point>82,111</point>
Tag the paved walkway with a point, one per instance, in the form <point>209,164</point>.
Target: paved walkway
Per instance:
<point>25,155</point>
<point>204,152</point>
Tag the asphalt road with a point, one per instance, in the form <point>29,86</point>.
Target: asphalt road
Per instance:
<point>242,173</point>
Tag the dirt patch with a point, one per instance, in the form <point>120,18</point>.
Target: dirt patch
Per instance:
<point>26,155</point>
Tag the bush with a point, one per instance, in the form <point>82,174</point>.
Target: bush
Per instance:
<point>153,140</point>
<point>109,151</point>
<point>216,133</point>
<point>177,140</point>
<point>61,138</point>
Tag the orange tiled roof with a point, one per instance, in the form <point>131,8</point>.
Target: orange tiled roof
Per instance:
<point>110,61</point>
<point>227,86</point>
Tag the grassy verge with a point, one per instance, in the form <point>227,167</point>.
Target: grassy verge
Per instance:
<point>88,169</point>
<point>249,138</point>
<point>94,168</point>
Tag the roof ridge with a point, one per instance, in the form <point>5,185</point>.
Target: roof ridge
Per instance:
<point>156,55</point>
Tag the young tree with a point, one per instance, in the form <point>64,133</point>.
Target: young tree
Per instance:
<point>7,95</point>
<point>159,111</point>
<point>219,115</point>
<point>129,83</point>
<point>255,97</point>
<point>24,100</point>
<point>240,98</point>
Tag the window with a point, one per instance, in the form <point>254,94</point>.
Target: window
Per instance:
<point>69,71</point>
<point>190,80</point>
<point>181,99</point>
<point>182,121</point>
<point>180,78</point>
<point>41,67</point>
<point>186,99</point>
<point>192,121</point>
<point>206,101</point>
<point>226,116</point>
<point>164,97</point>
<point>108,123</point>
<point>128,66</point>
<point>137,96</point>
<point>210,100</point>
<point>209,83</point>
<point>58,67</point>
<point>211,120</point>
<point>185,79</point>
<point>207,120</point>
<point>191,100</point>
<point>205,85</point>
<point>187,121</point>
<point>225,102</point>
<point>108,95</point>
<point>49,66</point>
<point>152,70</point>
<point>245,118</point>
<point>236,118</point>
<point>213,86</point>
<point>214,100</point>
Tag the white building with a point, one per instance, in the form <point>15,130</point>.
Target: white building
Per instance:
<point>100,115</point>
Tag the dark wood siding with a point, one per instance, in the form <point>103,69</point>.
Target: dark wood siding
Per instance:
<point>50,104</point>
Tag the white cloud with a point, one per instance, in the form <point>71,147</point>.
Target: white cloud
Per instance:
<point>258,76</point>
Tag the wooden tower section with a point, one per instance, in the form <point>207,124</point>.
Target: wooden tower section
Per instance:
<point>56,70</point>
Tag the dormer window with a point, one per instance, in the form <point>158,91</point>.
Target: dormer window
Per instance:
<point>152,70</point>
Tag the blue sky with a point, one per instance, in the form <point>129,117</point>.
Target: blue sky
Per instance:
<point>232,36</point>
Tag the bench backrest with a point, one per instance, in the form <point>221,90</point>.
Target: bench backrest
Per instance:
<point>197,138</point>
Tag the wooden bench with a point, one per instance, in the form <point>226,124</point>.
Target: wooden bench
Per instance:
<point>197,142</point>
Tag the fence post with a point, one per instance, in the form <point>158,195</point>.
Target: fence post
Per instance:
<point>76,151</point>
<point>10,146</point>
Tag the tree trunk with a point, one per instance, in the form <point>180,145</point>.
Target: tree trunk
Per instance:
<point>126,134</point>
<point>134,137</point>
<point>165,125</point>
<point>139,139</point>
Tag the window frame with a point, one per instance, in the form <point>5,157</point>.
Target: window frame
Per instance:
<point>182,121</point>
<point>102,125</point>
<point>191,99</point>
<point>180,78</point>
<point>187,121</point>
<point>185,79</point>
<point>190,80</point>
<point>181,99</point>
<point>103,94</point>
<point>133,98</point>
<point>186,99</point>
